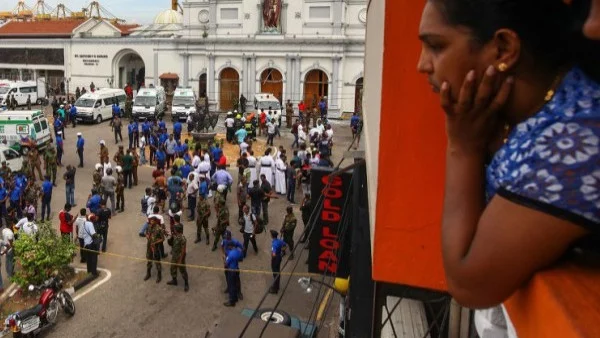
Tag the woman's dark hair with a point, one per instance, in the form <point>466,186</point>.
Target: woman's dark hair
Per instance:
<point>550,30</point>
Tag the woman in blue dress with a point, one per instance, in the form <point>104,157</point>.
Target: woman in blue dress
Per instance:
<point>523,124</point>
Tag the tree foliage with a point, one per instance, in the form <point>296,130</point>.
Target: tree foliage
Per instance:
<point>37,257</point>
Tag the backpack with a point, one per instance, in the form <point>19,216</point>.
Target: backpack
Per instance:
<point>144,203</point>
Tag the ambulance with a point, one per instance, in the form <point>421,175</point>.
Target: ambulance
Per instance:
<point>97,106</point>
<point>184,104</point>
<point>22,129</point>
<point>149,104</point>
<point>21,90</point>
<point>268,102</point>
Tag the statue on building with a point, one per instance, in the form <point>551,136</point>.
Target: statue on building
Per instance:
<point>271,14</point>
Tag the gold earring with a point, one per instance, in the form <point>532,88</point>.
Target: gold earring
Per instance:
<point>502,67</point>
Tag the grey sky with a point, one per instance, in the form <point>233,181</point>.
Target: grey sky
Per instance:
<point>134,11</point>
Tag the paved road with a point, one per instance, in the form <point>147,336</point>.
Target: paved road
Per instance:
<point>127,306</point>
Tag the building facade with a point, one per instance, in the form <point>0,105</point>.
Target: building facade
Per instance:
<point>298,50</point>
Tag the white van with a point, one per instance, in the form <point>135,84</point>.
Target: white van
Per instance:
<point>19,125</point>
<point>268,101</point>
<point>184,104</point>
<point>21,90</point>
<point>97,106</point>
<point>149,103</point>
<point>13,158</point>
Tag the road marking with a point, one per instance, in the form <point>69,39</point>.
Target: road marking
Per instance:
<point>93,287</point>
<point>323,304</point>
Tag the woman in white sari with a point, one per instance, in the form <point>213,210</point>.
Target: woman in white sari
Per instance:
<point>280,183</point>
<point>267,164</point>
<point>252,166</point>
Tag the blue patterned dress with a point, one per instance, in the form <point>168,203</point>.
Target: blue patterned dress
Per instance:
<point>551,161</point>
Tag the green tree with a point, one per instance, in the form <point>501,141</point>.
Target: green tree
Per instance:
<point>37,257</point>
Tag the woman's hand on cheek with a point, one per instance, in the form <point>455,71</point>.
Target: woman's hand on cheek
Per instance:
<point>472,120</point>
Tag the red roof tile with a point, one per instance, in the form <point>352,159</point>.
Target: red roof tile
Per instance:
<point>54,28</point>
<point>126,28</point>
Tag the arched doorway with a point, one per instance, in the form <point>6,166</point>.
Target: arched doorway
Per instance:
<point>130,69</point>
<point>202,86</point>
<point>271,81</point>
<point>229,88</point>
<point>316,86</point>
<point>358,92</point>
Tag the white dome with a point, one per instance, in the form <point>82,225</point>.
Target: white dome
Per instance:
<point>167,17</point>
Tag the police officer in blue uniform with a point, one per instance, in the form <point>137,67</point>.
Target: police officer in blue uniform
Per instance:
<point>277,252</point>
<point>234,256</point>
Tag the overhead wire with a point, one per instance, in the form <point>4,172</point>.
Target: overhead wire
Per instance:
<point>331,176</point>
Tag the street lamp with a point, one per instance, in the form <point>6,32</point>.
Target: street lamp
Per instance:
<point>306,284</point>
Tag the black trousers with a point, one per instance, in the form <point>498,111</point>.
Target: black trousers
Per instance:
<point>80,153</point>
<point>91,259</point>
<point>276,268</point>
<point>248,238</point>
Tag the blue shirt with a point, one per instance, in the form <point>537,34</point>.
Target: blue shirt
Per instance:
<point>145,126</point>
<point>241,135</point>
<point>354,121</point>
<point>233,241</point>
<point>177,128</point>
<point>15,194</point>
<point>3,193</point>
<point>47,188</point>
<point>217,153</point>
<point>116,109</point>
<point>94,203</point>
<point>136,127</point>
<point>174,181</point>
<point>20,181</point>
<point>550,161</point>
<point>73,111</point>
<point>161,156</point>
<point>179,148</point>
<point>276,247</point>
<point>222,177</point>
<point>80,142</point>
<point>162,125</point>
<point>130,128</point>
<point>57,124</point>
<point>162,138</point>
<point>186,169</point>
<point>233,259</point>
<point>186,156</point>
<point>203,189</point>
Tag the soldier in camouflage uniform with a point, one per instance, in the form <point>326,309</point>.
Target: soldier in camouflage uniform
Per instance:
<point>32,192</point>
<point>118,158</point>
<point>6,172</point>
<point>155,236</point>
<point>202,220</point>
<point>97,178</point>
<point>35,163</point>
<point>134,166</point>
<point>222,222</point>
<point>103,152</point>
<point>178,253</point>
<point>120,189</point>
<point>50,164</point>
<point>219,197</point>
<point>287,230</point>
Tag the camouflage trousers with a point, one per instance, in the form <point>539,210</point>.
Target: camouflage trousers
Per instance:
<point>51,171</point>
<point>153,253</point>
<point>182,269</point>
<point>201,223</point>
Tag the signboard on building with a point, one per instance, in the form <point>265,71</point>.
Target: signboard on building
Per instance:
<point>330,239</point>
<point>91,59</point>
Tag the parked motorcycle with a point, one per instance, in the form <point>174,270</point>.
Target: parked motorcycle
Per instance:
<point>30,322</point>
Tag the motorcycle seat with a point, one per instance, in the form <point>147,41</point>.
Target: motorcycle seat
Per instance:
<point>30,312</point>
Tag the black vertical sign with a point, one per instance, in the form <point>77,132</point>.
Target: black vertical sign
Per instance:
<point>329,242</point>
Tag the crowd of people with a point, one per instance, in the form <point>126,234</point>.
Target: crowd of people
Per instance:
<point>185,178</point>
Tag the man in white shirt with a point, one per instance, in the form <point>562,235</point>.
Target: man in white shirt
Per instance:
<point>196,161</point>
<point>153,214</point>
<point>88,242</point>
<point>79,225</point>
<point>6,248</point>
<point>192,194</point>
<point>229,124</point>
<point>270,131</point>
<point>29,228</point>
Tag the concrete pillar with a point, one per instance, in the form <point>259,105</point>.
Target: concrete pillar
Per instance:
<point>252,76</point>
<point>211,78</point>
<point>338,10</point>
<point>212,23</point>
<point>244,88</point>
<point>299,81</point>
<point>334,96</point>
<point>186,70</point>
<point>289,74</point>
<point>20,74</point>
<point>155,79</point>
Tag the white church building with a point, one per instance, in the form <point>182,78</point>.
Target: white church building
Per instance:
<point>295,49</point>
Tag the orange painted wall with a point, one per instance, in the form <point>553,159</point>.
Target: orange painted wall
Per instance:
<point>407,246</point>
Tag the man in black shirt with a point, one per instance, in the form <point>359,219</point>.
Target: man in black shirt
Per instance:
<point>256,197</point>
<point>267,189</point>
<point>104,214</point>
<point>242,164</point>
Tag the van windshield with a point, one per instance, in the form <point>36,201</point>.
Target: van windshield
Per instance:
<point>87,103</point>
<point>4,90</point>
<point>266,104</point>
<point>145,101</point>
<point>183,101</point>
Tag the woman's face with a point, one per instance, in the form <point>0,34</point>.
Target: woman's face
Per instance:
<point>591,29</point>
<point>448,52</point>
